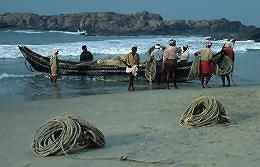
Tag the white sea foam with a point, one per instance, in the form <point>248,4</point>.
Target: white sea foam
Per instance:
<point>121,46</point>
<point>28,31</point>
<point>66,32</point>
<point>6,75</point>
<point>40,32</point>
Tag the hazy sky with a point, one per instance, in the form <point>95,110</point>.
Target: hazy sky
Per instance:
<point>247,11</point>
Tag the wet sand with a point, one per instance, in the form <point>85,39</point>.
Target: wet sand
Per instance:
<point>142,125</point>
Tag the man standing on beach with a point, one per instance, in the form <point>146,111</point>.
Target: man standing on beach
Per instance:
<point>157,54</point>
<point>227,62</point>
<point>54,65</point>
<point>170,62</point>
<point>131,60</point>
<point>205,68</point>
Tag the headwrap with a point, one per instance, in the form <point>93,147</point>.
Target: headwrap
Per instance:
<point>55,50</point>
<point>208,43</point>
<point>157,46</point>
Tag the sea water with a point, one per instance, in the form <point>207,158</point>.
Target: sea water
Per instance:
<point>17,83</point>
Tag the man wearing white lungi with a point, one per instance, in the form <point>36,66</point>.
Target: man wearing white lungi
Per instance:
<point>131,60</point>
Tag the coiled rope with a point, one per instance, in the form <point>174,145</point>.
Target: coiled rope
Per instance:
<point>150,65</point>
<point>204,111</point>
<point>150,70</point>
<point>62,135</point>
<point>225,66</point>
<point>194,73</point>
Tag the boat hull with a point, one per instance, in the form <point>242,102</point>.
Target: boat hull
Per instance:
<point>42,64</point>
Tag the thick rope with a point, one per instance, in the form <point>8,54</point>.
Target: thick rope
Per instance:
<point>127,159</point>
<point>150,65</point>
<point>62,135</point>
<point>225,66</point>
<point>194,73</point>
<point>204,111</point>
<point>150,69</point>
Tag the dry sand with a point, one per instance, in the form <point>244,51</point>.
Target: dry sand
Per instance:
<point>143,125</point>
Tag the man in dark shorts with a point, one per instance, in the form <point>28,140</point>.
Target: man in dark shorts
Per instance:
<point>170,62</point>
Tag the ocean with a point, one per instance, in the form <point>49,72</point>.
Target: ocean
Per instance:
<point>17,83</point>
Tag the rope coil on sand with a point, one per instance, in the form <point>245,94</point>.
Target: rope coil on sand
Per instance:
<point>204,111</point>
<point>62,135</point>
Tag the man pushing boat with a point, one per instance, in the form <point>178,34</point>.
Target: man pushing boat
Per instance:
<point>225,63</point>
<point>54,65</point>
<point>205,64</point>
<point>86,56</point>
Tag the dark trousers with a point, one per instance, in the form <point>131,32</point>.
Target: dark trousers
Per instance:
<point>170,69</point>
<point>223,77</point>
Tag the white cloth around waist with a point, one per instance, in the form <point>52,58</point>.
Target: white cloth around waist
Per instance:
<point>184,55</point>
<point>132,70</point>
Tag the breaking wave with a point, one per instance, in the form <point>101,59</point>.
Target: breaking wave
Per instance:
<point>119,46</point>
<point>6,75</point>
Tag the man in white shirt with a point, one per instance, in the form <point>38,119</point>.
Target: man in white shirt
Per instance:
<point>157,53</point>
<point>184,56</point>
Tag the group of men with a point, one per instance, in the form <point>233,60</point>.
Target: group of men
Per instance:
<point>208,63</point>
<point>167,60</point>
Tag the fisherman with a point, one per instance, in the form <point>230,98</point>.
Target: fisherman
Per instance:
<point>157,54</point>
<point>205,68</point>
<point>54,65</point>
<point>227,63</point>
<point>170,62</point>
<point>131,60</point>
<point>184,56</point>
<point>86,55</point>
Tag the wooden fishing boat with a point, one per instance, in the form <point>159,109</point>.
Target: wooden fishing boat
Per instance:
<point>42,64</point>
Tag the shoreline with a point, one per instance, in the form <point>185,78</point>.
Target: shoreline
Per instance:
<point>142,125</point>
<point>141,87</point>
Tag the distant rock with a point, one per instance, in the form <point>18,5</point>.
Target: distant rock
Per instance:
<point>255,35</point>
<point>143,23</point>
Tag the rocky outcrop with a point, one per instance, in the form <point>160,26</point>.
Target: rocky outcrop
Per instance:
<point>144,23</point>
<point>255,35</point>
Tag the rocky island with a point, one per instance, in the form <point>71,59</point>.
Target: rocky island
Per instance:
<point>143,23</point>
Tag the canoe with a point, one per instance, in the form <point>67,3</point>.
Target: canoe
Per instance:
<point>42,64</point>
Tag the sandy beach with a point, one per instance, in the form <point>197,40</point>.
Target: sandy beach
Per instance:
<point>143,125</point>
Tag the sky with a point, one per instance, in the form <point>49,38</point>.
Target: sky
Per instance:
<point>246,11</point>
